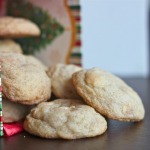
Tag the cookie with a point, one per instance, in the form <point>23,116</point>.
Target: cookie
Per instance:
<point>7,46</point>
<point>109,95</point>
<point>25,83</point>
<point>13,112</point>
<point>11,27</point>
<point>14,58</point>
<point>65,118</point>
<point>61,75</point>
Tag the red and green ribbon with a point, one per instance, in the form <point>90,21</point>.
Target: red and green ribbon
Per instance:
<point>1,123</point>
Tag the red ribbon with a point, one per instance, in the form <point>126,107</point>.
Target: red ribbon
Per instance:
<point>12,128</point>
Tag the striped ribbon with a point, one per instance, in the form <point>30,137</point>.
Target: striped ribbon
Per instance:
<point>1,123</point>
<point>76,55</point>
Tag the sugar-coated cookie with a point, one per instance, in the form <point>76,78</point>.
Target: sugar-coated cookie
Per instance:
<point>13,112</point>
<point>25,83</point>
<point>109,95</point>
<point>11,27</point>
<point>65,118</point>
<point>10,46</point>
<point>15,58</point>
<point>62,85</point>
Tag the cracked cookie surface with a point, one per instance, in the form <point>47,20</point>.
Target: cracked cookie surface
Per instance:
<point>62,85</point>
<point>109,95</point>
<point>25,83</point>
<point>64,118</point>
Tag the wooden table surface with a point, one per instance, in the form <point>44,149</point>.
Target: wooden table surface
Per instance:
<point>119,136</point>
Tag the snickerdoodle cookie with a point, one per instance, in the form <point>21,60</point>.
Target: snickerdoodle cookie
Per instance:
<point>7,46</point>
<point>109,95</point>
<point>65,118</point>
<point>15,58</point>
<point>11,27</point>
<point>25,83</point>
<point>62,85</point>
<point>13,112</point>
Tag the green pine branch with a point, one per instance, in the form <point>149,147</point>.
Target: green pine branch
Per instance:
<point>49,27</point>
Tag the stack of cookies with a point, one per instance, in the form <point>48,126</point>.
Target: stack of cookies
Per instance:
<point>12,28</point>
<point>24,82</point>
<point>83,97</point>
<point>18,69</point>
